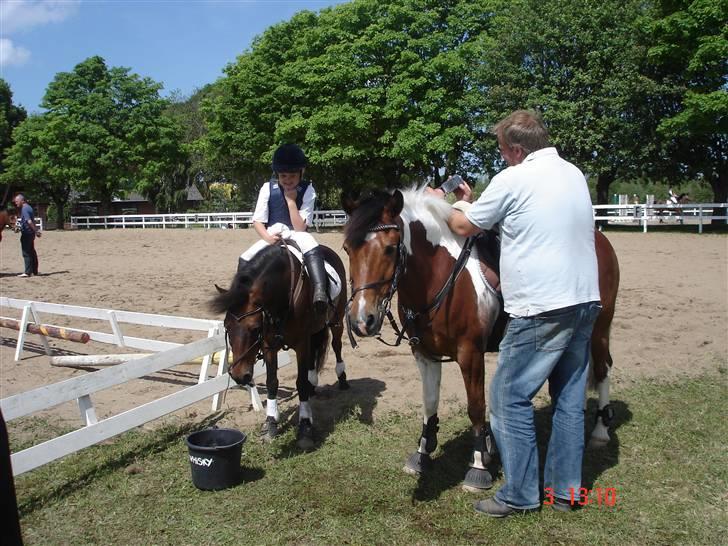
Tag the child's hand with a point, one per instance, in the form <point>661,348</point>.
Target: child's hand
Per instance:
<point>272,239</point>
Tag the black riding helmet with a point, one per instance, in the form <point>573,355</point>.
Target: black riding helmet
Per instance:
<point>289,158</point>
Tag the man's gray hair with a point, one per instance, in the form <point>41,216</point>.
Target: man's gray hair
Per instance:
<point>524,128</point>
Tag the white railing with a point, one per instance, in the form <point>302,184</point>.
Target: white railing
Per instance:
<point>655,214</point>
<point>81,388</point>
<point>644,214</point>
<point>222,220</point>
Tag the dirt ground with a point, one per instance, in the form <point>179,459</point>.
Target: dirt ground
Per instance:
<point>671,319</point>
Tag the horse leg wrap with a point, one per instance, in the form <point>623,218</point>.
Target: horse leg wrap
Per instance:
<point>419,461</point>
<point>317,274</point>
<point>606,414</point>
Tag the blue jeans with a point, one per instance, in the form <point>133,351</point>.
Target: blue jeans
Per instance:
<point>553,346</point>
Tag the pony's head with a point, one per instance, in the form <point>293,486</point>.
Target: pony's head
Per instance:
<point>8,218</point>
<point>255,307</point>
<point>378,239</point>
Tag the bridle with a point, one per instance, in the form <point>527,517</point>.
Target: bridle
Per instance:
<point>410,315</point>
<point>270,321</point>
<point>384,305</point>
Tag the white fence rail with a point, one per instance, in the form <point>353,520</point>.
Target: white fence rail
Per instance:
<point>655,214</point>
<point>223,220</point>
<point>644,214</point>
<point>81,388</point>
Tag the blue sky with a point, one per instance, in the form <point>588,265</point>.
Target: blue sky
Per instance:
<point>181,44</point>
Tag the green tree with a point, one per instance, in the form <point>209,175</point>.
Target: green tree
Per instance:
<point>578,62</point>
<point>688,55</point>
<point>113,128</point>
<point>11,116</point>
<point>377,92</point>
<point>38,160</point>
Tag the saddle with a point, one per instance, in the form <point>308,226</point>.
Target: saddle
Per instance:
<point>488,246</point>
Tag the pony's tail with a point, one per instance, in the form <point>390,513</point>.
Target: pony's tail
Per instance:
<point>320,345</point>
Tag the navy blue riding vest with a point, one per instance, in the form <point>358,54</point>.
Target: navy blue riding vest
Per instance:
<point>277,207</point>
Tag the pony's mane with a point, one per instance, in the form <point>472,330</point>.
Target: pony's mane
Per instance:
<point>271,258</point>
<point>418,206</point>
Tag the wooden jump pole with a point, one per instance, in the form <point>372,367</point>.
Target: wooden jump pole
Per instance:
<point>44,330</point>
<point>95,360</point>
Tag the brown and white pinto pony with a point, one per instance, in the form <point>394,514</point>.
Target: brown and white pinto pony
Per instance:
<point>400,242</point>
<point>7,219</point>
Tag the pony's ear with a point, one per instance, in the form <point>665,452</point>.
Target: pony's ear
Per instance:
<point>396,202</point>
<point>221,290</point>
<point>348,202</point>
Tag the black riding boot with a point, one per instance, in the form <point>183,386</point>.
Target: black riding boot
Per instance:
<point>314,261</point>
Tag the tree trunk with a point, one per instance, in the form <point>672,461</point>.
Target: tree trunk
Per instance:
<point>60,212</point>
<point>719,184</point>
<point>604,180</point>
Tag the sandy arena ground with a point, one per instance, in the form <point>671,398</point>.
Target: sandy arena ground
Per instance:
<point>671,319</point>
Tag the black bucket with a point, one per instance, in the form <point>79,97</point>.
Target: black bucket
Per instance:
<point>215,457</point>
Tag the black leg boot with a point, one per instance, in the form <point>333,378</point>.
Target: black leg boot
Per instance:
<point>314,262</point>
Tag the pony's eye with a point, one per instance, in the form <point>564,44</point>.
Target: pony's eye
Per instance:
<point>346,249</point>
<point>390,249</point>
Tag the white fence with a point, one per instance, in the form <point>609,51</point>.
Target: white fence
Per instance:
<point>223,220</point>
<point>80,388</point>
<point>638,214</point>
<point>654,215</point>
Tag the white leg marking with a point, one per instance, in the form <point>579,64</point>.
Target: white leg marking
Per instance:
<point>340,368</point>
<point>431,373</point>
<point>271,409</point>
<point>304,411</point>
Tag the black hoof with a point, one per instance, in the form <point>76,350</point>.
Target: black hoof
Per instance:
<point>477,480</point>
<point>343,383</point>
<point>269,430</point>
<point>304,436</point>
<point>417,463</point>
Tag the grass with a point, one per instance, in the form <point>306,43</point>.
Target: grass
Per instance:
<point>667,461</point>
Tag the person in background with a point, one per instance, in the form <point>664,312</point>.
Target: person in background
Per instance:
<point>284,210</point>
<point>28,232</point>
<point>550,286</point>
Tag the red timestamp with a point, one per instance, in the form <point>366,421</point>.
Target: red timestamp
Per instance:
<point>600,496</point>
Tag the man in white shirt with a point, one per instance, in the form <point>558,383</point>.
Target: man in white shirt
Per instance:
<point>550,287</point>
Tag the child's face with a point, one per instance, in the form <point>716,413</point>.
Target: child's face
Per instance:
<point>288,181</point>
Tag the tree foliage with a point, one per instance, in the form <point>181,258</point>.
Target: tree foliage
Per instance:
<point>11,116</point>
<point>113,127</point>
<point>689,58</point>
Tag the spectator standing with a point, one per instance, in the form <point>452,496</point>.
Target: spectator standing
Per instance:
<point>28,232</point>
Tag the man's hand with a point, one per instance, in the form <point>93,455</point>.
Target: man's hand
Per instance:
<point>464,193</point>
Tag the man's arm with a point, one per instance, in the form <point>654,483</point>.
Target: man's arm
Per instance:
<point>460,225</point>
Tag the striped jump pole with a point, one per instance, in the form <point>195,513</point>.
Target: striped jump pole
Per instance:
<point>44,330</point>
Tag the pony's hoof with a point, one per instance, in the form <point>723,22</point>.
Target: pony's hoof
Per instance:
<point>417,463</point>
<point>477,480</point>
<point>597,443</point>
<point>304,437</point>
<point>343,383</point>
<point>269,429</point>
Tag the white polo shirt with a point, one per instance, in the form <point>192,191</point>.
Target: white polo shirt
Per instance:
<point>544,210</point>
<point>260,214</point>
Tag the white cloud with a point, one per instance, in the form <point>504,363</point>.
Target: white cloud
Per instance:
<point>12,54</point>
<point>21,15</point>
